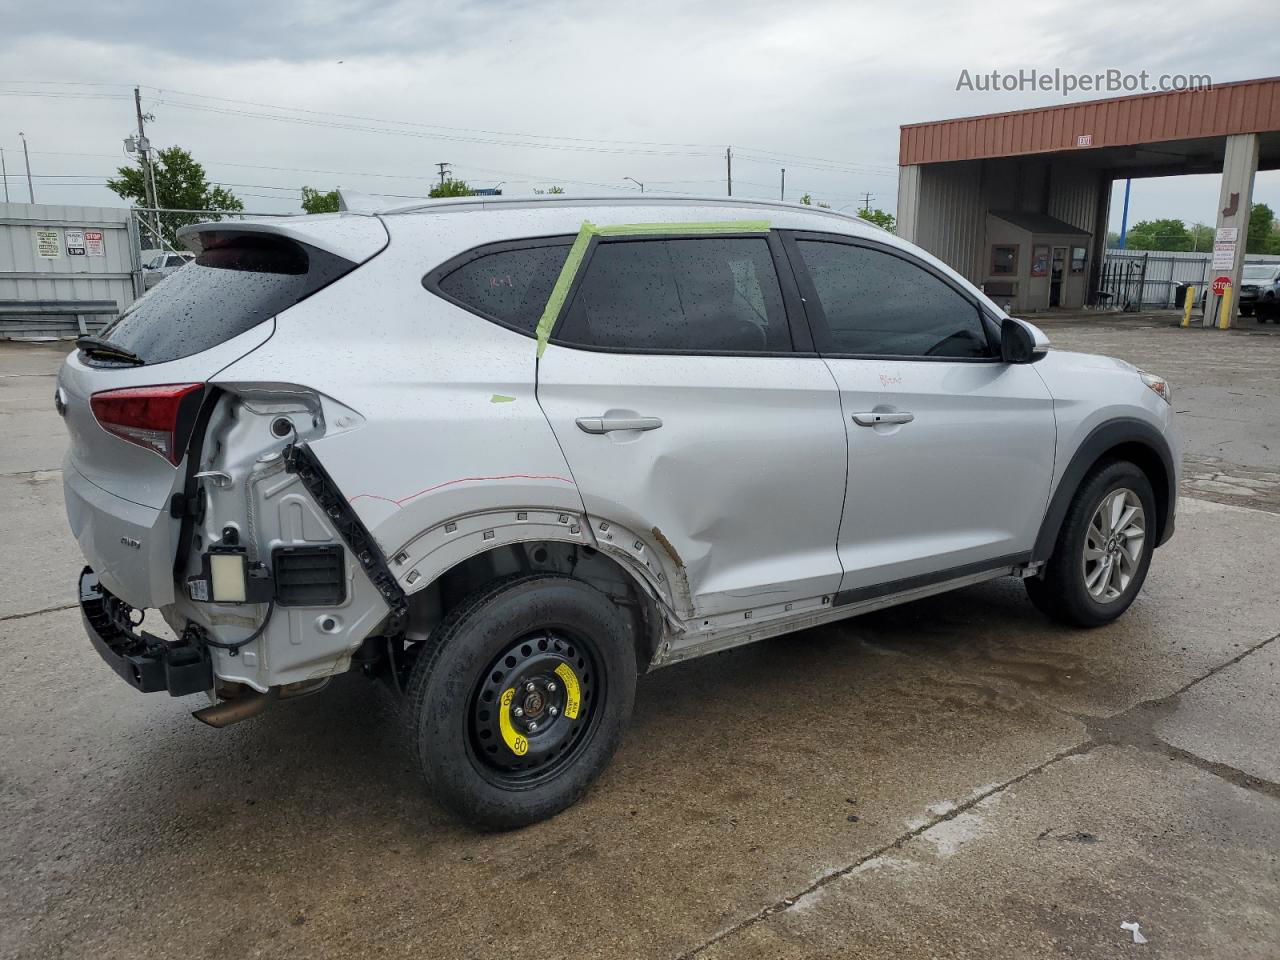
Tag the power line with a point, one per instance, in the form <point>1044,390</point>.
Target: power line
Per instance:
<point>56,95</point>
<point>73,83</point>
<point>475,135</point>
<point>770,155</point>
<point>423,135</point>
<point>434,126</point>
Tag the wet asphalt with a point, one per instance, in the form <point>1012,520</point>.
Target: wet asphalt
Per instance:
<point>952,778</point>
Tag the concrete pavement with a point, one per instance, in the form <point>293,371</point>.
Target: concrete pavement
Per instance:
<point>956,777</point>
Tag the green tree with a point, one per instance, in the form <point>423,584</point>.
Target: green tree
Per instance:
<point>879,218</point>
<point>549,190</point>
<point>1261,219</point>
<point>806,200</point>
<point>450,188</point>
<point>1159,235</point>
<point>317,201</point>
<point>181,184</point>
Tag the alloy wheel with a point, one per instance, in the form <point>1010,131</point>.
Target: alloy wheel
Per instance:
<point>1113,545</point>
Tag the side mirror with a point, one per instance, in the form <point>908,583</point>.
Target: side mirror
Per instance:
<point>1018,344</point>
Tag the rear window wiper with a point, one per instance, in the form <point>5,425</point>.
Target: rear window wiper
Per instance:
<point>97,347</point>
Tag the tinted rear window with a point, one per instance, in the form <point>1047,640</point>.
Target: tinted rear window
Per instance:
<point>231,287</point>
<point>510,286</point>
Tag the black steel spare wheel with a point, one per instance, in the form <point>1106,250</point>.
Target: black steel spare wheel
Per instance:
<point>534,708</point>
<point>518,699</point>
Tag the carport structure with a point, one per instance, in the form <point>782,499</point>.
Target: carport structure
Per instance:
<point>963,182</point>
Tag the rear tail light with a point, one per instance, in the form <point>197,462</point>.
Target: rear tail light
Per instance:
<point>159,418</point>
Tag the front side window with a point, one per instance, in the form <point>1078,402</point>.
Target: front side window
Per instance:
<point>687,295</point>
<point>510,286</point>
<point>879,304</point>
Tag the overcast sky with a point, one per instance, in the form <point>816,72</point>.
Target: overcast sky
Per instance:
<point>580,94</point>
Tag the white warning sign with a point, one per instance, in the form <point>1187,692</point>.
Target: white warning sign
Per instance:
<point>48,245</point>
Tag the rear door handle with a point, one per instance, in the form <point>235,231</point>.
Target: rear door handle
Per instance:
<point>876,419</point>
<point>605,424</point>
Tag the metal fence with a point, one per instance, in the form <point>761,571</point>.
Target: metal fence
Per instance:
<point>1149,279</point>
<point>64,270</point>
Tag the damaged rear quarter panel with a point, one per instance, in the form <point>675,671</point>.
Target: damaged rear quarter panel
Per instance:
<point>450,425</point>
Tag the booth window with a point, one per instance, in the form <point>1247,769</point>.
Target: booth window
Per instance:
<point>1004,260</point>
<point>1077,259</point>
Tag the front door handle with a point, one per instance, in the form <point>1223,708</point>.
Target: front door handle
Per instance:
<point>876,419</point>
<point>605,424</point>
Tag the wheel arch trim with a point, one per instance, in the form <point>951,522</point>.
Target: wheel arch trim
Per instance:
<point>1128,435</point>
<point>440,548</point>
<point>451,543</point>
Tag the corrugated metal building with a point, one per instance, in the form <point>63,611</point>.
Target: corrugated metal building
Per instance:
<point>63,258</point>
<point>956,177</point>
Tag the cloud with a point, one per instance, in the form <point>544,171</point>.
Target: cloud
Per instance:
<point>778,82</point>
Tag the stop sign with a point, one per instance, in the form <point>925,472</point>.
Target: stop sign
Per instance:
<point>1220,286</point>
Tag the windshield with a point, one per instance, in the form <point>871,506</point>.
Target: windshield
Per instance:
<point>1260,272</point>
<point>236,283</point>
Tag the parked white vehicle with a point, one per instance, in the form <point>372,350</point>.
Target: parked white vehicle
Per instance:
<point>158,264</point>
<point>506,454</point>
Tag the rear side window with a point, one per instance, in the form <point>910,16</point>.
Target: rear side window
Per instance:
<point>878,304</point>
<point>696,295</point>
<point>237,282</point>
<point>509,286</point>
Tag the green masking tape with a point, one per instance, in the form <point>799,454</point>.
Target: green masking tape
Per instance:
<point>501,398</point>
<point>572,263</point>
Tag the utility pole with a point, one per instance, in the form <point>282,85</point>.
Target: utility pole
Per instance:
<point>444,171</point>
<point>728,168</point>
<point>31,191</point>
<point>4,175</point>
<point>782,192</point>
<point>148,175</point>
<point>866,201</point>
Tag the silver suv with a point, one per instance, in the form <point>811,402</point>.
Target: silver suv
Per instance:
<point>507,454</point>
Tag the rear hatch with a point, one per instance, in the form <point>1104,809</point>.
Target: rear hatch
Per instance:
<point>132,398</point>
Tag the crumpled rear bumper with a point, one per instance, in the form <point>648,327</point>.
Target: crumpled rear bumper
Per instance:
<point>146,662</point>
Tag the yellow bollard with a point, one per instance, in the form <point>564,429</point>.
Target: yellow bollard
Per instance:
<point>1224,311</point>
<point>1186,307</point>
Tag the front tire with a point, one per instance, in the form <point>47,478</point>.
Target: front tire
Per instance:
<point>1103,551</point>
<point>519,698</point>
